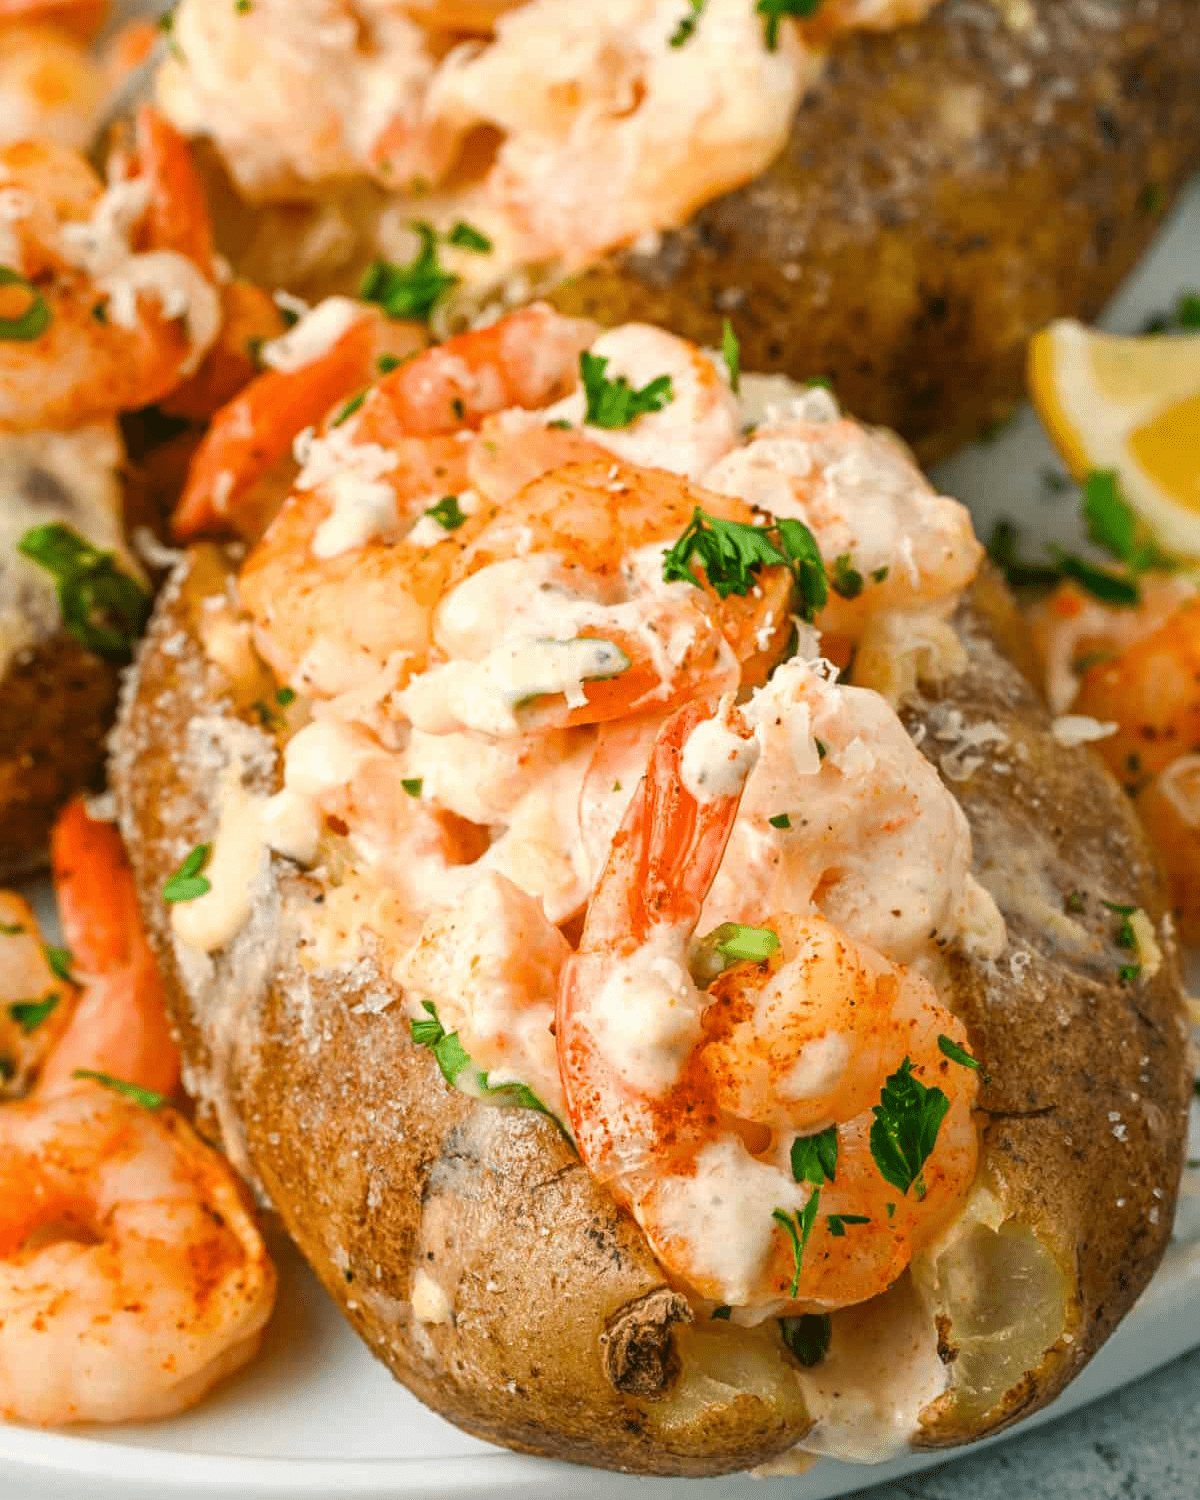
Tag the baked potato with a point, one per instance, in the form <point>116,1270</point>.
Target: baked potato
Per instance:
<point>946,188</point>
<point>470,1246</point>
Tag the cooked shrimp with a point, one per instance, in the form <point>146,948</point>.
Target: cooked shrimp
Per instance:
<point>1169,807</point>
<point>112,327</point>
<point>355,525</point>
<point>51,88</point>
<point>132,1275</point>
<point>686,1102</point>
<point>82,17</point>
<point>556,613</point>
<point>1074,632</point>
<point>120,1026</point>
<point>330,355</point>
<point>35,1000</point>
<point>889,539</point>
<point>301,93</point>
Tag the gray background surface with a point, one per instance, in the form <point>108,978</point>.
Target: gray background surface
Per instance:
<point>1142,1443</point>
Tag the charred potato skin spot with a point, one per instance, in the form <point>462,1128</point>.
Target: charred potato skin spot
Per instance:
<point>942,196</point>
<point>535,1263</point>
<point>1063,1041</point>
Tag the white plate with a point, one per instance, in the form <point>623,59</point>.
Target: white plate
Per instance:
<point>317,1418</point>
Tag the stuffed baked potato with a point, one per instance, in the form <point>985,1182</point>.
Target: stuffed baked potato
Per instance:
<point>899,213</point>
<point>471,1246</point>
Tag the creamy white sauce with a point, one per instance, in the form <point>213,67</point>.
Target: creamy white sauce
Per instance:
<point>235,871</point>
<point>818,1068</point>
<point>182,293</point>
<point>318,330</point>
<point>645,1018</point>
<point>723,1215</point>
<point>716,761</point>
<point>351,476</point>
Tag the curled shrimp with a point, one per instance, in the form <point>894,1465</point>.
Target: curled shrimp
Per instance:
<point>51,88</point>
<point>686,1102</point>
<point>132,1274</point>
<point>36,1000</point>
<point>355,523</point>
<point>557,613</point>
<point>890,540</point>
<point>334,352</point>
<point>112,289</point>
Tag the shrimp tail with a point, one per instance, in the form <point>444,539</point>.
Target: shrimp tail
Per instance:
<point>120,1026</point>
<point>666,854</point>
<point>177,217</point>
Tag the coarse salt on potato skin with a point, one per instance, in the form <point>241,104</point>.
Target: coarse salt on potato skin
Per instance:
<point>547,1325</point>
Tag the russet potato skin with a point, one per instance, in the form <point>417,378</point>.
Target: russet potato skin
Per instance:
<point>558,1334</point>
<point>947,189</point>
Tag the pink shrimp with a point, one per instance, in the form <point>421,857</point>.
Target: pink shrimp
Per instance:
<point>687,1102</point>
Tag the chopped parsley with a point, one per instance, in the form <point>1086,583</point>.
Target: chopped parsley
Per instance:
<point>1124,937</point>
<point>879,574</point>
<point>243,7</point>
<point>354,404</point>
<point>8,1068</point>
<point>732,553</point>
<point>102,607</point>
<point>731,353</point>
<point>1114,526</point>
<point>166,24</point>
<point>822,750</point>
<point>412,785</point>
<point>447,513</point>
<point>683,32</point>
<point>29,1014</point>
<point>780,820</point>
<point>845,579</point>
<point>285,697</point>
<point>11,929</point>
<point>386,363</point>
<point>798,1229</point>
<point>147,1098</point>
<point>560,424</point>
<point>1127,973</point>
<point>808,1337</point>
<point>612,404</point>
<point>1076,902</point>
<point>33,321</point>
<point>187,882</point>
<point>773,11</point>
<point>409,291</point>
<point>1153,199</point>
<point>814,1157</point>
<point>950,1048</point>
<point>466,237</point>
<point>905,1130</point>
<point>837,1223</point>
<point>739,943</point>
<point>722,1313</point>
<point>456,1065</point>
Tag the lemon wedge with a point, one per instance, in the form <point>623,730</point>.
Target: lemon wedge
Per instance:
<point>1129,404</point>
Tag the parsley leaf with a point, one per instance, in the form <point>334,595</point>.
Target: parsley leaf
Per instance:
<point>467,237</point>
<point>837,1223</point>
<point>147,1098</point>
<point>722,1312</point>
<point>1124,937</point>
<point>454,1062</point>
<point>905,1130</point>
<point>33,321</point>
<point>798,1230</point>
<point>731,353</point>
<point>780,820</point>
<point>683,32</point>
<point>805,556</point>
<point>950,1048</point>
<point>102,607</point>
<point>11,929</point>
<point>447,513</point>
<point>1102,584</point>
<point>814,1157</point>
<point>1113,524</point>
<point>412,785</point>
<point>732,553</point>
<point>737,942</point>
<point>808,1337</point>
<point>409,291</point>
<point>187,882</point>
<point>354,404</point>
<point>773,11</point>
<point>846,579</point>
<point>614,403</point>
<point>29,1014</point>
<point>59,960</point>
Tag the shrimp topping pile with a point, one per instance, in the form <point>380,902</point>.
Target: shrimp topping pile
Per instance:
<point>133,1276</point>
<point>555,131</point>
<point>560,748</point>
